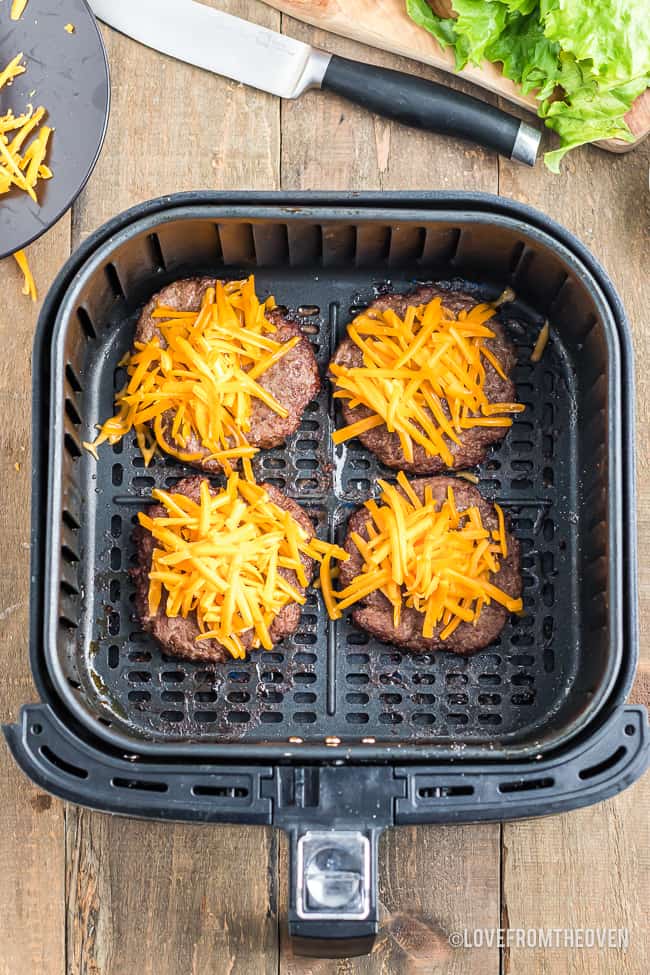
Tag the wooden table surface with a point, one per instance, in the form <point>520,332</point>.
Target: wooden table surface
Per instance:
<point>82,892</point>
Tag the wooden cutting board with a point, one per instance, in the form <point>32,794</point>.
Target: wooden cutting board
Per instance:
<point>385,24</point>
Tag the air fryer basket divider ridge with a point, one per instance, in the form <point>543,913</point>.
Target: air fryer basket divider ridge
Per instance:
<point>378,693</point>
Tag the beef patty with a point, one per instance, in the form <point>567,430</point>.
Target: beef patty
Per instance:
<point>293,381</point>
<point>474,443</point>
<point>375,612</point>
<point>177,635</point>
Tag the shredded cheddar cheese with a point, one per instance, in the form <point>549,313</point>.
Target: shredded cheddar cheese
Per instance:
<point>541,343</point>
<point>422,377</point>
<point>70,28</point>
<point>29,286</point>
<point>22,162</point>
<point>428,556</point>
<point>197,386</point>
<point>18,9</point>
<point>222,560</point>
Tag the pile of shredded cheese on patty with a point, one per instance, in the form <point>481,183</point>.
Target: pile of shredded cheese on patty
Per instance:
<point>427,556</point>
<point>422,377</point>
<point>22,162</point>
<point>199,384</point>
<point>222,560</point>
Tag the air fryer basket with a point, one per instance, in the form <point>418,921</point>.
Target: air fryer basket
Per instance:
<point>557,474</point>
<point>333,736</point>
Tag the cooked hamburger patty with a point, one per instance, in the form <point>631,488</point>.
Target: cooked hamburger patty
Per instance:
<point>474,443</point>
<point>293,381</point>
<point>177,635</point>
<point>375,613</point>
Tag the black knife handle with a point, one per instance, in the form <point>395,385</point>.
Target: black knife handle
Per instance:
<point>426,105</point>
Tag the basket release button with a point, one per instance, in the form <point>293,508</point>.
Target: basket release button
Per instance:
<point>333,875</point>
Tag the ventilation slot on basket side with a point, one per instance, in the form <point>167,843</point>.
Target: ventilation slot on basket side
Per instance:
<point>406,246</point>
<point>156,252</point>
<point>526,785</point>
<point>71,445</point>
<point>142,785</point>
<point>86,323</point>
<point>73,379</point>
<point>445,791</point>
<point>237,243</point>
<point>114,282</point>
<point>61,764</point>
<point>220,791</point>
<point>271,244</point>
<point>604,766</point>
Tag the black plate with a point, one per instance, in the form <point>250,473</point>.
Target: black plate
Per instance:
<point>68,74</point>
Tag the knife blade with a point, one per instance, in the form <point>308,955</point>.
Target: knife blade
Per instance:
<point>280,65</point>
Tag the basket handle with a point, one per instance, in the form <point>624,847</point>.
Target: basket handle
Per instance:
<point>333,892</point>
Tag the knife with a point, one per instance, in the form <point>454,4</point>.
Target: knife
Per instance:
<point>280,65</point>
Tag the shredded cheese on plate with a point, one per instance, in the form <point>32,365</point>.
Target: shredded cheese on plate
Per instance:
<point>22,162</point>
<point>197,386</point>
<point>427,556</point>
<point>222,560</point>
<point>18,9</point>
<point>422,377</point>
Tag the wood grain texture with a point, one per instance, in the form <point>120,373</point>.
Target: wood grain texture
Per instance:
<point>174,127</point>
<point>162,899</point>
<point>384,24</point>
<point>154,898</point>
<point>426,873</point>
<point>329,143</point>
<point>32,835</point>
<point>591,868</point>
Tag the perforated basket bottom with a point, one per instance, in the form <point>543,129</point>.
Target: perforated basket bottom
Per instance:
<point>333,679</point>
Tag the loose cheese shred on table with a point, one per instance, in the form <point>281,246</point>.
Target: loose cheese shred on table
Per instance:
<point>423,376</point>
<point>70,28</point>
<point>221,559</point>
<point>18,9</point>
<point>197,387</point>
<point>22,162</point>
<point>428,556</point>
<point>29,286</point>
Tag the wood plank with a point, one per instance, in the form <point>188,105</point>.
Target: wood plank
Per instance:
<point>424,871</point>
<point>174,127</point>
<point>329,143</point>
<point>32,834</point>
<point>384,24</point>
<point>590,868</point>
<point>148,897</point>
<point>425,875</point>
<point>156,898</point>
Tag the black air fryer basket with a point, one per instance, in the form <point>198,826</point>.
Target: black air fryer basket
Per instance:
<point>334,736</point>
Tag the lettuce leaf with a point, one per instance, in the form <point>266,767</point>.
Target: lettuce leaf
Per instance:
<point>444,30</point>
<point>585,60</point>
